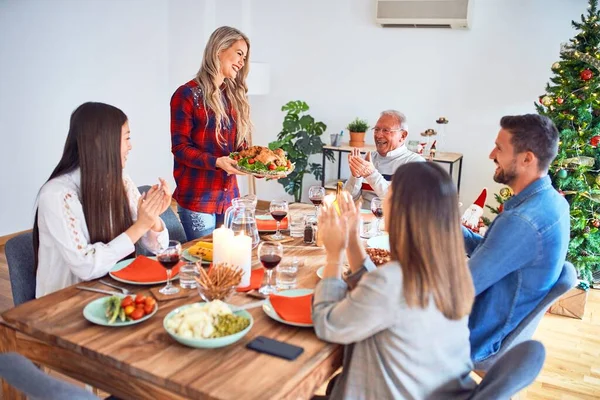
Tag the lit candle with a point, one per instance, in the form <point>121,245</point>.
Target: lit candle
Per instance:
<point>222,238</point>
<point>241,255</point>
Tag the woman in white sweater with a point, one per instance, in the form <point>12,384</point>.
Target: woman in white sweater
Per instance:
<point>405,323</point>
<point>90,214</point>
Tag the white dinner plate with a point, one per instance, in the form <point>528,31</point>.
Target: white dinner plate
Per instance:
<point>379,242</point>
<point>187,256</point>
<point>267,217</point>
<point>122,264</point>
<point>270,311</point>
<point>320,272</point>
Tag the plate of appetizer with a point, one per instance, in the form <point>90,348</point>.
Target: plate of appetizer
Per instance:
<point>120,310</point>
<point>207,325</point>
<point>263,162</point>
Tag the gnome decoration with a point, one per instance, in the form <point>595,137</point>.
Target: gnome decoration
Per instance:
<point>472,216</point>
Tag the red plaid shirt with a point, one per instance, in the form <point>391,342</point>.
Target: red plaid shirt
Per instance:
<point>201,186</point>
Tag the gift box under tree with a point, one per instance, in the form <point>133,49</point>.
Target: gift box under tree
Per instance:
<point>572,303</point>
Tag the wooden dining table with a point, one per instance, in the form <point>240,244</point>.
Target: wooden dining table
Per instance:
<point>143,362</point>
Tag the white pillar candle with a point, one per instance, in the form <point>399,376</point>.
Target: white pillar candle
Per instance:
<point>222,238</point>
<point>240,255</point>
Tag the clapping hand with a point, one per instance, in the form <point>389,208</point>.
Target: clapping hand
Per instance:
<point>360,167</point>
<point>334,231</point>
<point>153,203</point>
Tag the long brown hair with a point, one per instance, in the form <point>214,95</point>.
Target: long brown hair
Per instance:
<point>94,145</point>
<point>222,39</point>
<point>426,239</point>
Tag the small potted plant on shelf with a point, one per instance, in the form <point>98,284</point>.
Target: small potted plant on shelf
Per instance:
<point>357,129</point>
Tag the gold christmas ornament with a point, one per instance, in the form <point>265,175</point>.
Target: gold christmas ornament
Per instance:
<point>556,65</point>
<point>546,100</point>
<point>505,193</point>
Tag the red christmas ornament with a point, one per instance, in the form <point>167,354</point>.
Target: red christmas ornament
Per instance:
<point>595,141</point>
<point>596,223</point>
<point>560,100</point>
<point>586,74</point>
<point>500,208</point>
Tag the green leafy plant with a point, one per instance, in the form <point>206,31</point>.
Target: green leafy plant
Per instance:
<point>300,137</point>
<point>358,125</point>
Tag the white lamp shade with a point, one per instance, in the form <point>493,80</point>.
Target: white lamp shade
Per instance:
<point>258,79</point>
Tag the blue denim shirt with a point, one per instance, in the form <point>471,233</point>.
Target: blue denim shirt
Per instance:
<point>516,264</point>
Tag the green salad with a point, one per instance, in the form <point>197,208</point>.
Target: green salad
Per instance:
<point>251,165</point>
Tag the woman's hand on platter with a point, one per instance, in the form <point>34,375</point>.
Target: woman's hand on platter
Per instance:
<point>228,165</point>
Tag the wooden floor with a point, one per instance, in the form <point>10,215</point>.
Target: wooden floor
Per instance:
<point>572,368</point>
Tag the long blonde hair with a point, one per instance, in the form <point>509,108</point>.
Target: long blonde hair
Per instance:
<point>221,39</point>
<point>426,239</point>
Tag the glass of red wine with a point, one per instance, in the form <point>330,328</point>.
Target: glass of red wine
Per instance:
<point>278,210</point>
<point>168,257</point>
<point>377,210</point>
<point>270,255</point>
<point>316,194</point>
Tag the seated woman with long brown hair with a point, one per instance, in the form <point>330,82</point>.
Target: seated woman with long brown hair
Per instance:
<point>90,213</point>
<point>405,323</point>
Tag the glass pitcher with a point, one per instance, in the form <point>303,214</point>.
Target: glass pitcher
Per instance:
<point>240,217</point>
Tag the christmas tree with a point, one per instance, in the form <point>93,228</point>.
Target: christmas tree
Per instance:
<point>572,102</point>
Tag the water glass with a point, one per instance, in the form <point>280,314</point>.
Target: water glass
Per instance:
<point>287,274</point>
<point>297,225</point>
<point>187,275</point>
<point>365,229</point>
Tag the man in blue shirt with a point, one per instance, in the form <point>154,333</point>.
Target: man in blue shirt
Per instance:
<point>521,256</point>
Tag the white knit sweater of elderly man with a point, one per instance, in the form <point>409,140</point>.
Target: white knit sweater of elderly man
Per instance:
<point>371,176</point>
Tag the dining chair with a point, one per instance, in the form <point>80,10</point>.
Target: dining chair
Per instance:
<point>172,223</point>
<point>21,267</point>
<point>516,369</point>
<point>24,376</point>
<point>525,330</point>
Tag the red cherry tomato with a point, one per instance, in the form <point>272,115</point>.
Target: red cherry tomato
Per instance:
<point>150,300</point>
<point>148,308</point>
<point>126,302</point>
<point>272,167</point>
<point>251,161</point>
<point>137,314</point>
<point>140,298</point>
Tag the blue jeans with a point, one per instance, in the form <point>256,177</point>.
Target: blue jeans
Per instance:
<point>197,224</point>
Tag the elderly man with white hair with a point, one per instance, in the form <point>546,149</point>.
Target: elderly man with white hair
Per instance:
<point>370,176</point>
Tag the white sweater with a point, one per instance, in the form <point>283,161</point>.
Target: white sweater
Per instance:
<point>65,256</point>
<point>385,166</point>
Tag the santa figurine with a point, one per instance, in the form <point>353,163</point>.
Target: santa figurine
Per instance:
<point>472,216</point>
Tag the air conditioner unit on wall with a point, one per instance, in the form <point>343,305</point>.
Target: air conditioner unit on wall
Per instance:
<point>423,13</point>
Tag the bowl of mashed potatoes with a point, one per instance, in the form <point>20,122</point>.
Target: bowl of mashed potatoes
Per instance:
<point>207,325</point>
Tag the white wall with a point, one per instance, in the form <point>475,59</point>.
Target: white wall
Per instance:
<point>133,54</point>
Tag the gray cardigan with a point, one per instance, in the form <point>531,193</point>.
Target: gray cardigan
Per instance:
<point>392,351</point>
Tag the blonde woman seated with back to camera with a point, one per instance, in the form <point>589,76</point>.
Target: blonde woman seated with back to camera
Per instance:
<point>405,323</point>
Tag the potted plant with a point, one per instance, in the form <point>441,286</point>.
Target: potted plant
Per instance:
<point>357,129</point>
<point>300,138</point>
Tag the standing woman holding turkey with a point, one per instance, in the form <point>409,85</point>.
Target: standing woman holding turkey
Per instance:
<point>210,118</point>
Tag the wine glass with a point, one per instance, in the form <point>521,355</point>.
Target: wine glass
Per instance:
<point>270,255</point>
<point>168,257</point>
<point>377,210</point>
<point>278,210</point>
<point>316,194</point>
